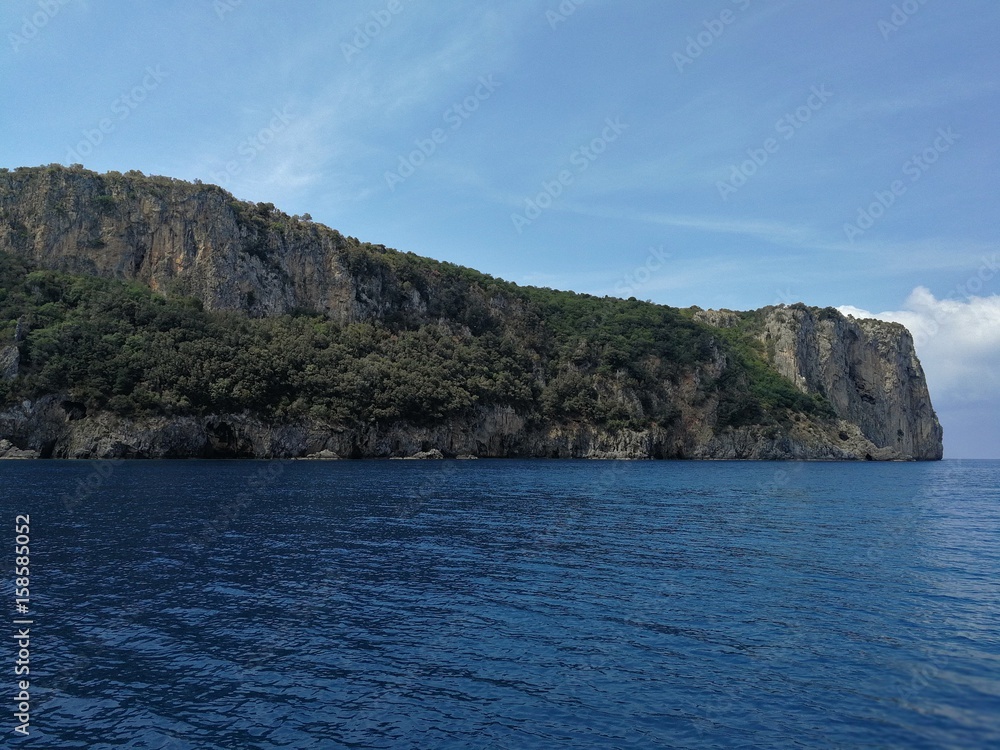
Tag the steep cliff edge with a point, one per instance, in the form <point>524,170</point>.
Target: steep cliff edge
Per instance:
<point>191,239</point>
<point>867,369</point>
<point>357,350</point>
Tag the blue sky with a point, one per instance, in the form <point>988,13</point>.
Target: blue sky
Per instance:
<point>726,153</point>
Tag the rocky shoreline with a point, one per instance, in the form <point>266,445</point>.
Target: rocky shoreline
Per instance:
<point>51,428</point>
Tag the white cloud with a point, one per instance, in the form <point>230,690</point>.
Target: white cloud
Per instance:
<point>958,342</point>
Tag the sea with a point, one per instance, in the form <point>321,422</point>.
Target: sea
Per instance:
<point>501,604</point>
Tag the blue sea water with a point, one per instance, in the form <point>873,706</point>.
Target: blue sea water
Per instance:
<point>507,604</point>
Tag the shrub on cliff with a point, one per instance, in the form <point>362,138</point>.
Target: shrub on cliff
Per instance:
<point>563,357</point>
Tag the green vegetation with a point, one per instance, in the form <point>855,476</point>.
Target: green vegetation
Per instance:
<point>768,391</point>
<point>475,340</point>
<point>448,338</point>
<point>117,346</point>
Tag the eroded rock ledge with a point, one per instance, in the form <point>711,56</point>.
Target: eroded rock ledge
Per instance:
<point>44,429</point>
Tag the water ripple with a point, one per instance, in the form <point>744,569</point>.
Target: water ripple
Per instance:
<point>516,604</point>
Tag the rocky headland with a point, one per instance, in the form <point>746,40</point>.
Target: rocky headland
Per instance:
<point>578,377</point>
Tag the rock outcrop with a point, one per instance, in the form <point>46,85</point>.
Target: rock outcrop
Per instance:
<point>10,359</point>
<point>188,239</point>
<point>46,429</point>
<point>867,369</point>
<point>10,451</point>
<point>197,240</point>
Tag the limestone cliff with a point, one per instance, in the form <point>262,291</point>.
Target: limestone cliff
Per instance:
<point>10,359</point>
<point>196,240</point>
<point>867,369</point>
<point>185,238</point>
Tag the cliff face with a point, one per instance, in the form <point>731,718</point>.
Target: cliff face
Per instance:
<point>183,238</point>
<point>53,428</point>
<point>867,369</point>
<point>10,359</point>
<point>194,240</point>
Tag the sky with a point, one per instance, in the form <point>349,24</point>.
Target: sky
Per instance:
<point>720,153</point>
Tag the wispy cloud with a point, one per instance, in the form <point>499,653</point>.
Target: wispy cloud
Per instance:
<point>943,92</point>
<point>776,232</point>
<point>931,254</point>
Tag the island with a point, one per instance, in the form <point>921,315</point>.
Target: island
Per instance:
<point>148,317</point>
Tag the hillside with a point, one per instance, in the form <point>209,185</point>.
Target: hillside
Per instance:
<point>145,317</point>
